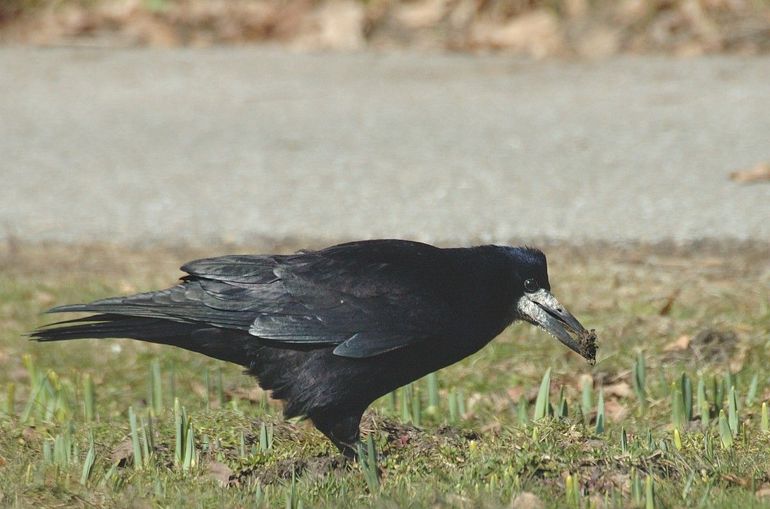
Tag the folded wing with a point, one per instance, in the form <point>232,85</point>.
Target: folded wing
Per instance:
<point>367,297</point>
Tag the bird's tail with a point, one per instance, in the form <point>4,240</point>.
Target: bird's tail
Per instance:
<point>277,369</point>
<point>226,345</point>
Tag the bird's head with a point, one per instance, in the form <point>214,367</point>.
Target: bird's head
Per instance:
<point>538,306</point>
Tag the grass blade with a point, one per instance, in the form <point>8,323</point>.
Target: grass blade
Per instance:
<point>725,434</point>
<point>89,399</point>
<point>753,387</point>
<point>649,493</point>
<point>686,388</point>
<point>677,410</point>
<point>188,461</point>
<point>623,441</point>
<point>677,439</point>
<point>433,399</point>
<point>135,439</point>
<point>156,387</point>
<point>732,411</point>
<point>586,399</point>
<point>640,381</point>
<point>367,459</point>
<point>88,464</point>
<point>179,429</point>
<point>542,403</point>
<point>522,410</point>
<point>406,396</point>
<point>704,409</point>
<point>10,399</point>
<point>600,413</point>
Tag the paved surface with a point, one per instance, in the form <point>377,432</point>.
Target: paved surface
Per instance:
<point>238,144</point>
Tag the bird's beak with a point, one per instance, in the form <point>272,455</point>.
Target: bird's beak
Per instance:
<point>542,309</point>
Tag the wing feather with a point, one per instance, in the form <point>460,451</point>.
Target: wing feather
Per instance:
<point>366,297</point>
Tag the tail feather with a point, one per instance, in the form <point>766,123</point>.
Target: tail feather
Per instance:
<point>226,345</point>
<point>278,369</point>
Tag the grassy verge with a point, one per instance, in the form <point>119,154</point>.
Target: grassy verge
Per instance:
<point>673,413</point>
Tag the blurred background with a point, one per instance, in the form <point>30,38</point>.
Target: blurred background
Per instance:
<point>457,121</point>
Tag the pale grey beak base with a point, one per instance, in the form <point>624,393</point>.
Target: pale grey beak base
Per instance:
<point>542,309</point>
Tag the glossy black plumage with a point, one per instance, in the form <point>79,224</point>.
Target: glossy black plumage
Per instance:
<point>328,331</point>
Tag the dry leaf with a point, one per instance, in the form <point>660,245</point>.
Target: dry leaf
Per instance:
<point>619,390</point>
<point>122,453</point>
<point>515,392</point>
<point>251,393</point>
<point>334,25</point>
<point>537,33</point>
<point>422,14</point>
<point>666,309</point>
<point>583,379</point>
<point>220,472</point>
<point>757,173</point>
<point>527,500</point>
<point>681,343</point>
<point>763,492</point>
<point>614,411</point>
<point>30,434</point>
<point>592,444</point>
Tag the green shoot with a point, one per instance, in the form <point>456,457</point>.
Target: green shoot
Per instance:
<point>732,411</point>
<point>522,410</point>
<point>751,395</point>
<point>10,399</point>
<point>677,410</point>
<point>686,388</point>
<point>623,441</point>
<point>433,400</point>
<point>138,462</point>
<point>586,400</point>
<point>600,418</point>
<point>562,409</point>
<point>367,458</point>
<point>704,409</point>
<point>156,392</point>
<point>725,434</point>
<point>640,379</point>
<point>649,493</point>
<point>572,491</point>
<point>636,487</point>
<point>89,399</point>
<point>265,437</point>
<point>88,463</point>
<point>542,403</point>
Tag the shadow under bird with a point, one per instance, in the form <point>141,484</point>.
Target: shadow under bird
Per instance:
<point>330,331</point>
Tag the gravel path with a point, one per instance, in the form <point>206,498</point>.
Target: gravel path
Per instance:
<point>244,144</point>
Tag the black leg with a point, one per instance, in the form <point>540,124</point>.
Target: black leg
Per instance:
<point>341,427</point>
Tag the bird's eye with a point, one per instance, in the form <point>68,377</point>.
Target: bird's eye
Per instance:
<point>531,286</point>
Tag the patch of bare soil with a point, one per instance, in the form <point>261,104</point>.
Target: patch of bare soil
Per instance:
<point>285,470</point>
<point>536,28</point>
<point>397,436</point>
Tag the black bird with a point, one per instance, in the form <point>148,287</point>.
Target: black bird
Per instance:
<point>330,331</point>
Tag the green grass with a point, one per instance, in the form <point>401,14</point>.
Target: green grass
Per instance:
<point>100,423</point>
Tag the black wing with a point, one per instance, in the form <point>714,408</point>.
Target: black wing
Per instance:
<point>365,297</point>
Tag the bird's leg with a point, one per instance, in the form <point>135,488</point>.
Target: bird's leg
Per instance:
<point>341,428</point>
